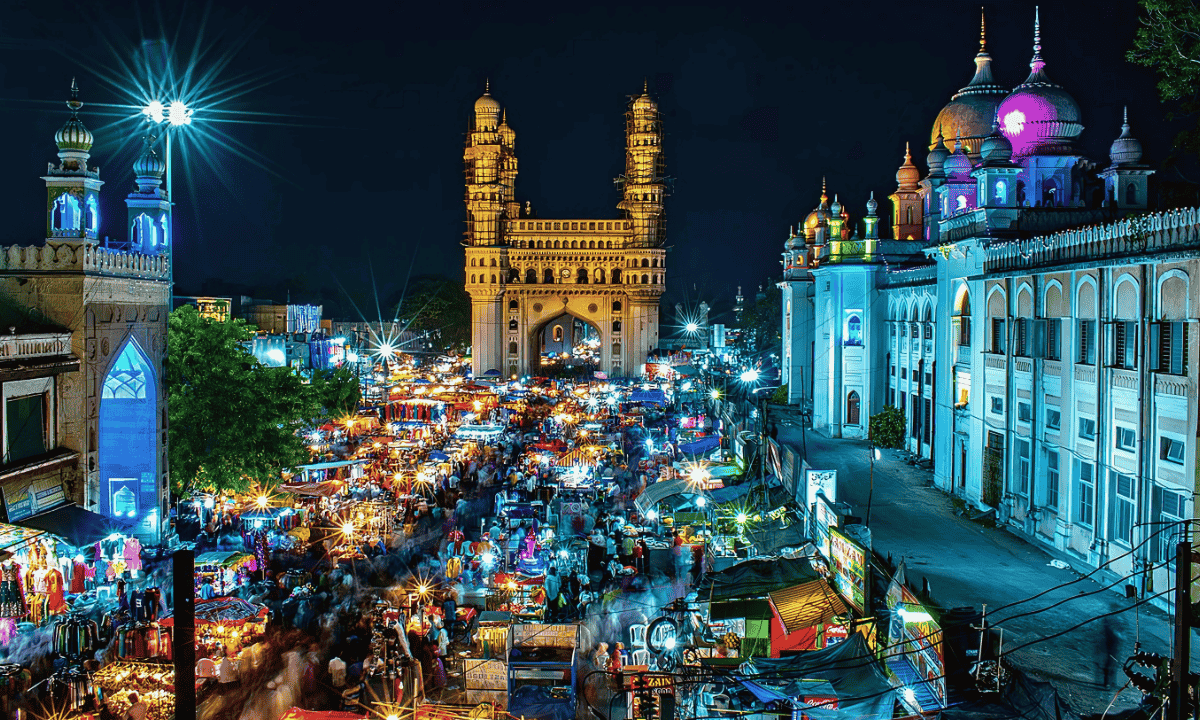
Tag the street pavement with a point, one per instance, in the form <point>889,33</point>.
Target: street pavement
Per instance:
<point>966,563</point>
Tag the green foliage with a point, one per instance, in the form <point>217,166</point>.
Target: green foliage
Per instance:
<point>1169,41</point>
<point>887,427</point>
<point>233,420</point>
<point>439,306</point>
<point>337,391</point>
<point>762,320</point>
<point>780,395</point>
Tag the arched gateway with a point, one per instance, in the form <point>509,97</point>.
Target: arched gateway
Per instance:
<point>524,272</point>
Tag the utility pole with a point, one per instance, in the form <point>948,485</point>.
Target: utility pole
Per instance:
<point>1179,705</point>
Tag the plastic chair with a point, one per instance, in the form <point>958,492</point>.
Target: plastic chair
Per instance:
<point>637,636</point>
<point>640,657</point>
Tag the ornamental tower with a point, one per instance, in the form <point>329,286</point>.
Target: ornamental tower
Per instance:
<point>149,208</point>
<point>643,182</point>
<point>907,223</point>
<point>72,189</point>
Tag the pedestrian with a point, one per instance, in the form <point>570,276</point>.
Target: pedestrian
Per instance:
<point>641,556</point>
<point>553,587</point>
<point>138,709</point>
<point>1110,641</point>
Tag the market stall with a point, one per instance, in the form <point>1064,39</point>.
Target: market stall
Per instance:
<point>153,682</point>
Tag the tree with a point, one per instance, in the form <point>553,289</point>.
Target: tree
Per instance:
<point>887,427</point>
<point>338,391</point>
<point>438,306</point>
<point>1169,41</point>
<point>234,422</point>
<point>761,322</point>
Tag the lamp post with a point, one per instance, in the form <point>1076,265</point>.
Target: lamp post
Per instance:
<point>871,491</point>
<point>173,115</point>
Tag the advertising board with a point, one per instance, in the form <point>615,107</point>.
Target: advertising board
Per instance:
<point>848,562</point>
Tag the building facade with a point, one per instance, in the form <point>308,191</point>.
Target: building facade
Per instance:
<point>524,274</point>
<point>94,416</point>
<point>1031,319</point>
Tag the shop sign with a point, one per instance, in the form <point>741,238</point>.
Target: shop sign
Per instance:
<point>835,634</point>
<point>26,498</point>
<point>542,635</point>
<point>919,644</point>
<point>773,458</point>
<point>820,481</point>
<point>788,477</point>
<point>721,628</point>
<point>486,675</point>
<point>824,518</point>
<point>848,563</point>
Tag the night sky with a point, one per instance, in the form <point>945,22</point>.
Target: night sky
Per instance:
<point>357,162</point>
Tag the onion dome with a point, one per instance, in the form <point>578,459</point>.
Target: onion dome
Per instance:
<point>1039,115</point>
<point>487,110</point>
<point>506,133</point>
<point>996,149</point>
<point>970,111</point>
<point>937,156</point>
<point>819,213</point>
<point>872,205</point>
<point>644,102</point>
<point>958,165</point>
<point>149,165</point>
<point>1126,149</point>
<point>908,175</point>
<point>73,136</point>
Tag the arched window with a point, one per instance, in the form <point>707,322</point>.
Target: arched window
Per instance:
<point>93,215</point>
<point>472,262</point>
<point>1001,194</point>
<point>512,324</point>
<point>514,275</point>
<point>512,305</point>
<point>616,306</point>
<point>599,276</point>
<point>512,348</point>
<point>581,276</point>
<point>909,220</point>
<point>548,276</point>
<point>852,408</point>
<point>127,434</point>
<point>143,233</point>
<point>574,245</point>
<point>531,276</point>
<point>964,321</point>
<point>493,279</point>
<point>66,212</point>
<point>645,262</point>
<point>592,244</point>
<point>1049,192</point>
<point>854,331</point>
<point>608,245</point>
<point>616,326</point>
<point>961,203</point>
<point>645,279</point>
<point>1131,194</point>
<point>558,333</point>
<point>164,223</point>
<point>540,245</point>
<point>493,262</point>
<point>472,278</point>
<point>656,277</point>
<point>616,350</point>
<point>616,277</point>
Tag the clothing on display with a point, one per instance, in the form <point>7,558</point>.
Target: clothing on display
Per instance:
<point>12,591</point>
<point>75,636</point>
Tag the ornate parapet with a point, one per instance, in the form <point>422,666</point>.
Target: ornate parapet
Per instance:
<point>902,277</point>
<point>32,345</point>
<point>82,258</point>
<point>1166,232</point>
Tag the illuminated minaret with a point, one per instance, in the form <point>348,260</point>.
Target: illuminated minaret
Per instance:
<point>644,187</point>
<point>491,172</point>
<point>73,189</point>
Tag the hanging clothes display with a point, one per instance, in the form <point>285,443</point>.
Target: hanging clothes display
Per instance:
<point>75,636</point>
<point>55,601</point>
<point>78,577</point>
<point>133,554</point>
<point>12,592</point>
<point>70,687</point>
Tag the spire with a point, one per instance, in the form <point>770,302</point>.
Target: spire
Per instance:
<point>74,103</point>
<point>982,32</point>
<point>1125,120</point>
<point>645,86</point>
<point>1037,63</point>
<point>824,196</point>
<point>504,116</point>
<point>907,154</point>
<point>487,86</point>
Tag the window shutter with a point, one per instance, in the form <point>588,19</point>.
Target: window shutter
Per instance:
<point>1178,342</point>
<point>1156,345</point>
<point>1039,339</point>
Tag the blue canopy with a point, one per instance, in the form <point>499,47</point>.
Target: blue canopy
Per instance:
<point>702,445</point>
<point>729,494</point>
<point>654,397</point>
<point>764,694</point>
<point>438,455</point>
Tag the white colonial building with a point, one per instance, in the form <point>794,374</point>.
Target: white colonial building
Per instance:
<point>1030,318</point>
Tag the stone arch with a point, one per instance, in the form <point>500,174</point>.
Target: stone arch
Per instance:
<point>1025,301</point>
<point>962,301</point>
<point>1085,298</point>
<point>1173,291</point>
<point>128,434</point>
<point>645,279</point>
<point>996,303</point>
<point>1125,299</point>
<point>565,319</point>
<point>1052,305</point>
<point>531,276</point>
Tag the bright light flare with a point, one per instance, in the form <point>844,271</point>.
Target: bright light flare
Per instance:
<point>714,393</point>
<point>262,501</point>
<point>749,376</point>
<point>741,518</point>
<point>669,643</point>
<point>691,327</point>
<point>347,528</point>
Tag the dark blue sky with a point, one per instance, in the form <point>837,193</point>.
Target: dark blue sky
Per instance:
<point>759,101</point>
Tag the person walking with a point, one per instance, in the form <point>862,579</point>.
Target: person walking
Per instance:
<point>553,587</point>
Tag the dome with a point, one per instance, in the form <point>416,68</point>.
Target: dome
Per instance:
<point>970,112</point>
<point>148,164</point>
<point>1039,115</point>
<point>820,213</point>
<point>73,135</point>
<point>958,164</point>
<point>908,175</point>
<point>937,156</point>
<point>1126,149</point>
<point>643,102</point>
<point>487,105</point>
<point>996,149</point>
<point>506,132</point>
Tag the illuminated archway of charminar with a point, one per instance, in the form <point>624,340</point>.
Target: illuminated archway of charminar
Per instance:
<point>522,270</point>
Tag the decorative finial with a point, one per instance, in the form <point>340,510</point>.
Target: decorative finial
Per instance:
<point>982,32</point>
<point>645,86</point>
<point>941,138</point>
<point>487,86</point>
<point>907,153</point>
<point>504,116</point>
<point>1036,63</point>
<point>74,103</point>
<point>957,139</point>
<point>1125,117</point>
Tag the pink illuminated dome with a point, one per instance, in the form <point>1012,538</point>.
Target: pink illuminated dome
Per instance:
<point>968,116</point>
<point>1039,116</point>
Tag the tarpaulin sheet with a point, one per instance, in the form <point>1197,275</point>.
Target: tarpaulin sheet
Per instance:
<point>702,445</point>
<point>660,491</point>
<point>755,578</point>
<point>653,397</point>
<point>857,676</point>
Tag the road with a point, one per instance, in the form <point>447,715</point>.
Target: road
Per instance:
<point>967,563</point>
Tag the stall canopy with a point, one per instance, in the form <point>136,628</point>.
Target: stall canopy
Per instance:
<point>806,605</point>
<point>328,488</point>
<point>857,677</point>
<point>582,457</point>
<point>331,465</point>
<point>660,491</point>
<point>301,714</point>
<point>652,397</point>
<point>702,445</point>
<point>756,578</point>
<point>223,611</point>
<point>724,495</point>
<point>77,526</point>
<point>12,536</point>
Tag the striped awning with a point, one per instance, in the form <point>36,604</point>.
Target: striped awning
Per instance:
<point>806,605</point>
<point>583,457</point>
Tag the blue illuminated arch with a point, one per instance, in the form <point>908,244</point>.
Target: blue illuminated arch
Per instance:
<point>128,436</point>
<point>67,212</point>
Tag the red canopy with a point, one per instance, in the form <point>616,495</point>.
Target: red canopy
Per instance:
<point>223,611</point>
<point>302,714</point>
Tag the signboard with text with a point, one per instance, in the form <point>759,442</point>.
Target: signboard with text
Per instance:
<point>27,498</point>
<point>486,681</point>
<point>543,635</point>
<point>820,481</point>
<point>848,562</point>
<point>824,518</point>
<point>916,643</point>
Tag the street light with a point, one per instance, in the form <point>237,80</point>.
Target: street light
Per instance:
<point>175,114</point>
<point>871,491</point>
<point>691,328</point>
<point>749,376</point>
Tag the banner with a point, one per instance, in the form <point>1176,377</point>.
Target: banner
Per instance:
<point>26,498</point>
<point>824,518</point>
<point>788,476</point>
<point>541,635</point>
<point>915,642</point>
<point>820,481</point>
<point>848,561</point>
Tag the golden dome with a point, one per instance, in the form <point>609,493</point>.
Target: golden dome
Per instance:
<point>908,175</point>
<point>73,135</point>
<point>644,102</point>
